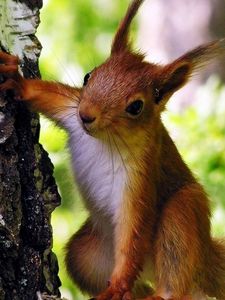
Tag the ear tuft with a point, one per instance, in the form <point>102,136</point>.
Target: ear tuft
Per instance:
<point>121,41</point>
<point>202,55</point>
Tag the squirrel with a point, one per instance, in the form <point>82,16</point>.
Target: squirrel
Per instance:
<point>149,218</point>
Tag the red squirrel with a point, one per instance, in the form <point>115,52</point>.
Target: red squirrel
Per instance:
<point>149,219</point>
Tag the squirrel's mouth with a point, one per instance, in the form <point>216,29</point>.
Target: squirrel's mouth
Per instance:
<point>84,127</point>
<point>97,127</point>
<point>89,129</point>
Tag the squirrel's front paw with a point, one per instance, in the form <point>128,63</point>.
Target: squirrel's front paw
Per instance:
<point>9,71</point>
<point>114,292</point>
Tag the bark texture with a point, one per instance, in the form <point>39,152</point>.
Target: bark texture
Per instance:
<point>28,193</point>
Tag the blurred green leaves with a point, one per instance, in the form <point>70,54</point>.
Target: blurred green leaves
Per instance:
<point>77,34</point>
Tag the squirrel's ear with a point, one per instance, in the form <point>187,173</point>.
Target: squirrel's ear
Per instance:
<point>171,78</point>
<point>175,75</point>
<point>121,39</point>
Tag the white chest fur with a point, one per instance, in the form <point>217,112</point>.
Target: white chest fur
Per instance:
<point>99,172</point>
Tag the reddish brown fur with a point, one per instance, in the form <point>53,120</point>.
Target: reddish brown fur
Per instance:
<point>164,213</point>
<point>40,94</point>
<point>90,252</point>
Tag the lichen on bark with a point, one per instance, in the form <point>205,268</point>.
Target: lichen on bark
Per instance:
<point>28,193</point>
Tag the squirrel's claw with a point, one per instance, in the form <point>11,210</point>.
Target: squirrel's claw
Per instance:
<point>8,65</point>
<point>11,84</point>
<point>8,59</point>
<point>9,71</point>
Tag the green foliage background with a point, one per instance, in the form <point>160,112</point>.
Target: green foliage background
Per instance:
<point>76,36</point>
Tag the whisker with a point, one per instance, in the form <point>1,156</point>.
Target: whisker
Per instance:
<point>65,107</point>
<point>66,71</point>
<point>126,145</point>
<point>68,116</point>
<point>123,117</point>
<point>112,161</point>
<point>68,93</point>
<point>80,137</point>
<point>139,168</point>
<point>120,154</point>
<point>61,92</point>
<point>107,118</point>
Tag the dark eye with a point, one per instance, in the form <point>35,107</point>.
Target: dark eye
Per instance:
<point>135,108</point>
<point>86,78</point>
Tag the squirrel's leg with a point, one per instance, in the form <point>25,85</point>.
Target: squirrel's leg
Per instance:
<point>89,258</point>
<point>132,236</point>
<point>57,101</point>
<point>181,243</point>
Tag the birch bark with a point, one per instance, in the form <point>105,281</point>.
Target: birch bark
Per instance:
<point>28,193</point>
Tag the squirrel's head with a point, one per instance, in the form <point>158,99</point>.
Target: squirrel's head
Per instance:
<point>127,94</point>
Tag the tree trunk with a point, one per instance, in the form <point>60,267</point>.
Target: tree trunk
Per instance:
<point>28,193</point>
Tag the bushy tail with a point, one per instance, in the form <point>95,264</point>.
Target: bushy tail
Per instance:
<point>215,270</point>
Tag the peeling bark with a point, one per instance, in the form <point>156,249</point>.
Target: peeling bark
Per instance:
<point>28,193</point>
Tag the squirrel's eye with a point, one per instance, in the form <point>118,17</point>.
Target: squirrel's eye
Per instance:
<point>86,78</point>
<point>135,108</point>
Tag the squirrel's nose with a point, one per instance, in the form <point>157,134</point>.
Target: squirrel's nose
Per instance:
<point>87,119</point>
